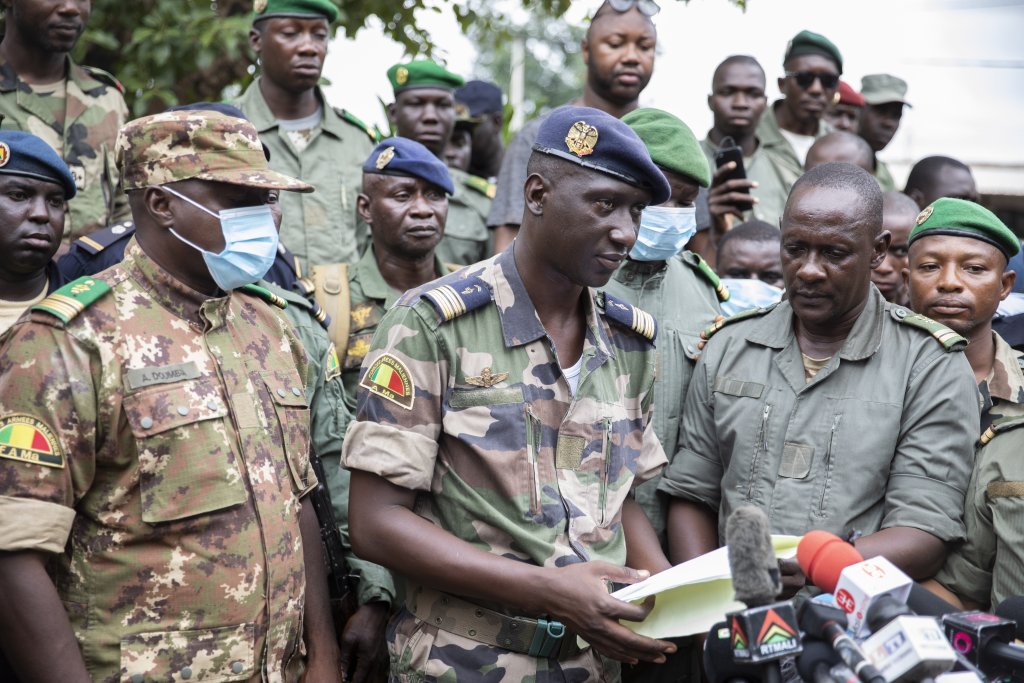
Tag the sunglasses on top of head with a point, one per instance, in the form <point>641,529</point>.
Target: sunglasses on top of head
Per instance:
<point>647,7</point>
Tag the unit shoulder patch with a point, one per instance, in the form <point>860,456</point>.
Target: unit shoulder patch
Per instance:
<point>481,185</point>
<point>29,439</point>
<point>697,263</point>
<point>333,368</point>
<point>73,298</point>
<point>742,315</point>
<point>265,294</point>
<point>458,297</point>
<point>355,121</point>
<point>950,340</point>
<point>628,315</point>
<point>389,378</point>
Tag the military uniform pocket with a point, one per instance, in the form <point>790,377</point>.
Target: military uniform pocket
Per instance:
<point>204,656</point>
<point>292,413</point>
<point>187,462</point>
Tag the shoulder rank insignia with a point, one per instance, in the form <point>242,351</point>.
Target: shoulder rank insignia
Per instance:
<point>95,242</point>
<point>481,185</point>
<point>486,378</point>
<point>73,298</point>
<point>742,315</point>
<point>104,77</point>
<point>696,262</point>
<point>265,294</point>
<point>950,340</point>
<point>458,297</point>
<point>355,121</point>
<point>1001,425</point>
<point>627,315</point>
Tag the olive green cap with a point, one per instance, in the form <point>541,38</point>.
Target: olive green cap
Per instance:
<point>961,218</point>
<point>422,73</point>
<point>883,88</point>
<point>268,9</point>
<point>810,43</point>
<point>671,143</point>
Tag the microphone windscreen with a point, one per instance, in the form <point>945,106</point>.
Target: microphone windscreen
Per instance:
<point>719,664</point>
<point>815,652</point>
<point>1013,608</point>
<point>755,570</point>
<point>823,556</point>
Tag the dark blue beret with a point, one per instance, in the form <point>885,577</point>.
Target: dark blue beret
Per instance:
<point>601,142</point>
<point>27,155</point>
<point>482,97</point>
<point>406,157</point>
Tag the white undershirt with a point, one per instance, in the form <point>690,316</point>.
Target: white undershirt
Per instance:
<point>572,375</point>
<point>801,144</point>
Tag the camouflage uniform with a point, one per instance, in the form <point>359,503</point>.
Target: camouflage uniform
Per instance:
<point>322,227</point>
<point>174,430</point>
<point>989,566</point>
<point>82,127</point>
<point>462,400</point>
<point>682,298</point>
<point>466,238</point>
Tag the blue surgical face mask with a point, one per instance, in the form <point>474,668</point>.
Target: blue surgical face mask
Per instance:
<point>744,294</point>
<point>663,232</point>
<point>250,244</point>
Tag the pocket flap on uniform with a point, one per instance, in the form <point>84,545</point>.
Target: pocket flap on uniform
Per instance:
<point>203,656</point>
<point>285,388</point>
<point>1004,489</point>
<point>796,460</point>
<point>471,398</point>
<point>158,409</point>
<point>735,387</point>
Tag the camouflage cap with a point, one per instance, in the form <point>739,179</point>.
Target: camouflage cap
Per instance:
<point>205,145</point>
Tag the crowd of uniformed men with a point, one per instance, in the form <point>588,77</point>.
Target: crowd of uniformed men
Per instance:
<point>509,368</point>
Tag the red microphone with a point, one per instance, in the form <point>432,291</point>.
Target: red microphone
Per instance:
<point>822,556</point>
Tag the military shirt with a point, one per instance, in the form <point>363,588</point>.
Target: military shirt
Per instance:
<point>771,191</point>
<point>881,437</point>
<point>158,442</point>
<point>82,126</point>
<point>778,149</point>
<point>475,413</point>
<point>883,176</point>
<point>466,238</point>
<point>989,566</point>
<point>323,226</point>
<point>684,303</point>
<point>509,203</point>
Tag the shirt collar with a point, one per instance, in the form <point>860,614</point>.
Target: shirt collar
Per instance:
<point>258,111</point>
<point>172,294</point>
<point>374,286</point>
<point>1005,380</point>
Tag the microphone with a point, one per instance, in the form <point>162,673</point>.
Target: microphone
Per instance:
<point>766,631</point>
<point>719,663</point>
<point>829,624</point>
<point>984,639</point>
<point>903,646</point>
<point>1013,609</point>
<point>821,664</point>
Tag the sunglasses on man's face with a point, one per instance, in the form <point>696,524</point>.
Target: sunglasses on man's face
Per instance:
<point>805,78</point>
<point>647,7</point>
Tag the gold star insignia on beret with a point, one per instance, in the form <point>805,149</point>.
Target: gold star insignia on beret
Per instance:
<point>581,139</point>
<point>401,75</point>
<point>259,6</point>
<point>924,215</point>
<point>5,154</point>
<point>385,157</point>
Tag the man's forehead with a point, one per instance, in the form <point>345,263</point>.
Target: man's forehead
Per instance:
<point>424,93</point>
<point>739,74</point>
<point>607,21</point>
<point>961,247</point>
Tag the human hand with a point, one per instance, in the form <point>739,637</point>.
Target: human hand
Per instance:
<point>724,195</point>
<point>362,642</point>
<point>793,578</point>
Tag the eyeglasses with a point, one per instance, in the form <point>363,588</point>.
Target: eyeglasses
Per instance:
<point>647,7</point>
<point>805,78</point>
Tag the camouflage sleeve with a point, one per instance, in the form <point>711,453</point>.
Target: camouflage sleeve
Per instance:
<point>968,568</point>
<point>48,434</point>
<point>652,456</point>
<point>398,415</point>
<point>695,471</point>
<point>935,452</point>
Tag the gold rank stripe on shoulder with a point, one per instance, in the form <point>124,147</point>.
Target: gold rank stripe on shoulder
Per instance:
<point>950,340</point>
<point>85,239</point>
<point>447,301</point>
<point>73,298</point>
<point>720,289</point>
<point>643,323</point>
<point>1003,424</point>
<point>742,315</point>
<point>265,294</point>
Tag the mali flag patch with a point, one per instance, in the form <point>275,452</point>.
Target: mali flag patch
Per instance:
<point>389,378</point>
<point>333,364</point>
<point>25,438</point>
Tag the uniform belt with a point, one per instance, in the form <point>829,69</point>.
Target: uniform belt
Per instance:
<point>534,637</point>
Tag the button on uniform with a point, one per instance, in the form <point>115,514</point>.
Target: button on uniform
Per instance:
<point>186,673</point>
<point>280,392</point>
<point>236,667</point>
<point>297,391</point>
<point>182,410</point>
<point>146,422</point>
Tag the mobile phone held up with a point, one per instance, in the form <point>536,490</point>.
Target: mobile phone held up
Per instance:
<point>729,151</point>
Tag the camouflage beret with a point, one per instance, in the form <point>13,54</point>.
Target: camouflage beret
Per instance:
<point>26,155</point>
<point>268,9</point>
<point>671,143</point>
<point>205,145</point>
<point>422,73</point>
<point>810,43</point>
<point>961,218</point>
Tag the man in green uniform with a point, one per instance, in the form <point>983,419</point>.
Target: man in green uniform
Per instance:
<point>504,417</point>
<point>885,96</point>
<point>424,111</point>
<point>154,440</point>
<point>77,110</point>
<point>789,127</point>
<point>957,275</point>
<point>899,212</point>
<point>833,409</point>
<point>308,138</point>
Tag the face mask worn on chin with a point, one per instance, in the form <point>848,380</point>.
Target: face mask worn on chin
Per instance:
<point>663,232</point>
<point>250,244</point>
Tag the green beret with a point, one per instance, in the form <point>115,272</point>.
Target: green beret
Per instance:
<point>947,216</point>
<point>671,143</point>
<point>422,73</point>
<point>810,43</point>
<point>267,9</point>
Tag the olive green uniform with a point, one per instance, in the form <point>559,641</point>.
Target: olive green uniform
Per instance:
<point>883,176</point>
<point>82,127</point>
<point>881,437</point>
<point>321,227</point>
<point>777,148</point>
<point>771,191</point>
<point>466,238</point>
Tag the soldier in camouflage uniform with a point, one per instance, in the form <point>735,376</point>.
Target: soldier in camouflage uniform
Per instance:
<point>154,429</point>
<point>504,420</point>
<point>76,109</point>
<point>424,110</point>
<point>308,138</point>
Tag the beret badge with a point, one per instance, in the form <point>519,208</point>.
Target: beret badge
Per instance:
<point>385,157</point>
<point>581,139</point>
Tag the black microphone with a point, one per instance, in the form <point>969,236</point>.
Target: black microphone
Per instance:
<point>719,664</point>
<point>829,624</point>
<point>820,663</point>
<point>1013,609</point>
<point>985,640</point>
